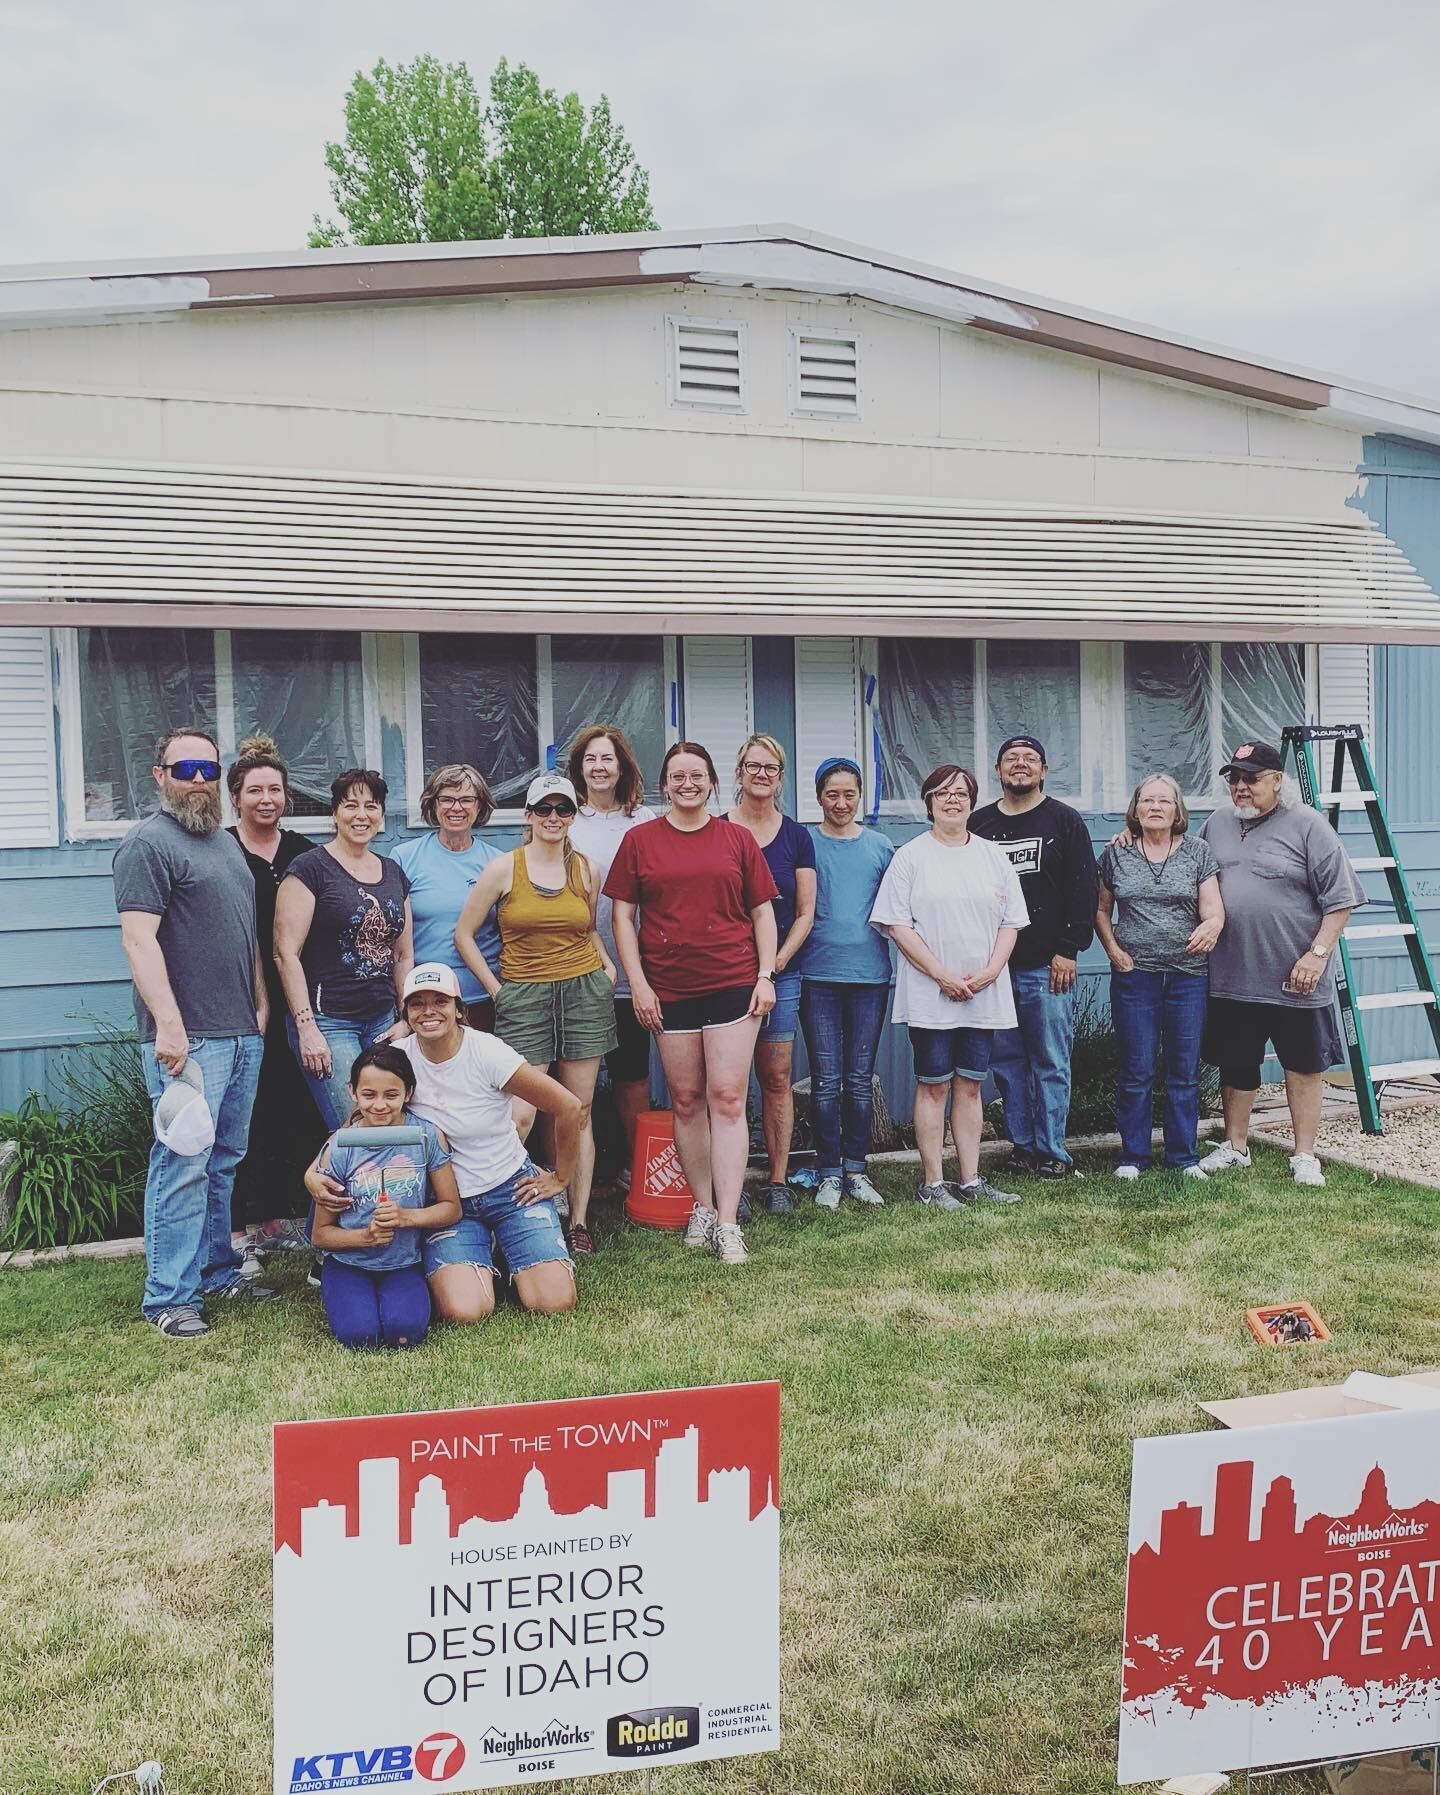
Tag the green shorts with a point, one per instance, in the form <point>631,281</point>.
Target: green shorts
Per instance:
<point>558,1019</point>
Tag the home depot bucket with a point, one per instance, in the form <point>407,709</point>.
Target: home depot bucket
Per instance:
<point>659,1196</point>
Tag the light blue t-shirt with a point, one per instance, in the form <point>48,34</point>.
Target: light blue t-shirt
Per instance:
<point>404,1175</point>
<point>440,882</point>
<point>843,949</point>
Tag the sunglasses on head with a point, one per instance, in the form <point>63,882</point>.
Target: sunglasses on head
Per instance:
<point>559,808</point>
<point>209,770</point>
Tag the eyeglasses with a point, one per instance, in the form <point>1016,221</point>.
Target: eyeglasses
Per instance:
<point>1244,778</point>
<point>561,809</point>
<point>457,803</point>
<point>761,769</point>
<point>209,770</point>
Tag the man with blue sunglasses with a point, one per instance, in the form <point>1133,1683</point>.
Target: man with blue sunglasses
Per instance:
<point>187,922</point>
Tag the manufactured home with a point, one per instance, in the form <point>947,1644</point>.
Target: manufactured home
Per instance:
<point>452,501</point>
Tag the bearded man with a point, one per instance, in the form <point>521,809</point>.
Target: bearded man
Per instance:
<point>187,922</point>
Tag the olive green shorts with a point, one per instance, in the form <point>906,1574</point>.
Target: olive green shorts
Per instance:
<point>558,1019</point>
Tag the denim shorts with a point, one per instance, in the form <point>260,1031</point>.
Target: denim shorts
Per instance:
<point>945,1053</point>
<point>784,1019</point>
<point>526,1233</point>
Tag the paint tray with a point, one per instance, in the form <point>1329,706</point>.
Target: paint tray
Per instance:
<point>1286,1324</point>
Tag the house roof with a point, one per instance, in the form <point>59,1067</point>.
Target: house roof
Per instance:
<point>776,257</point>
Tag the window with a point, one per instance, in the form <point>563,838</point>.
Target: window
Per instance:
<point>824,374</point>
<point>123,687</point>
<point>925,714</point>
<point>1186,704</point>
<point>1033,688</point>
<point>511,705</point>
<point>706,363</point>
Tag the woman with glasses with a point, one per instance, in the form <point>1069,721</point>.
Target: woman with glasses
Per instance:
<point>441,867</point>
<point>343,944</point>
<point>606,775</point>
<point>695,927</point>
<point>789,852</point>
<point>555,994</point>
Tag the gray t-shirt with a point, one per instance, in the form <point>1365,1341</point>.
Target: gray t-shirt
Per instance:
<point>201,889</point>
<point>1157,908</point>
<point>1280,874</point>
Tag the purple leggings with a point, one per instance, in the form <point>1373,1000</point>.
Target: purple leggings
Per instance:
<point>375,1308</point>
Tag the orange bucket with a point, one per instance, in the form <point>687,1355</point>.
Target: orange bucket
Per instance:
<point>659,1196</point>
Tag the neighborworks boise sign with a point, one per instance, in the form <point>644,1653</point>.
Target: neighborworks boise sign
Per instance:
<point>490,1596</point>
<point>1283,1596</point>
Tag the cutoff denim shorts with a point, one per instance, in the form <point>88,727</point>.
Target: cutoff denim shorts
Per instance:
<point>526,1233</point>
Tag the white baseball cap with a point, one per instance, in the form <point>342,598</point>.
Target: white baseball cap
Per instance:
<point>431,975</point>
<point>183,1122</point>
<point>550,785</point>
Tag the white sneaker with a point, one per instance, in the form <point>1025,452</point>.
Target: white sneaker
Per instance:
<point>858,1186</point>
<point>1305,1169</point>
<point>827,1194</point>
<point>1195,1171</point>
<point>700,1229</point>
<point>729,1245</point>
<point>1128,1173</point>
<point>1224,1158</point>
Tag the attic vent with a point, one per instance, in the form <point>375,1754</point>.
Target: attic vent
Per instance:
<point>825,374</point>
<point>707,363</point>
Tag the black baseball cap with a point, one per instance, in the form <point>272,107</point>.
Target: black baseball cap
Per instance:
<point>1022,741</point>
<point>1254,757</point>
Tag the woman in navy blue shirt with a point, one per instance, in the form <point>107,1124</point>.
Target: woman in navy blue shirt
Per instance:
<point>790,854</point>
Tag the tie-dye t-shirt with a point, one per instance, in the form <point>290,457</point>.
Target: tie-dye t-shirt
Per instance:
<point>349,953</point>
<point>403,1173</point>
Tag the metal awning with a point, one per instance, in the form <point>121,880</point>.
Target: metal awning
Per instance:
<point>151,545</point>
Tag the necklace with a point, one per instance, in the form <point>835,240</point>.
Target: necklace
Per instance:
<point>1157,873</point>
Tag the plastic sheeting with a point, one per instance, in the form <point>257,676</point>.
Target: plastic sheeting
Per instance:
<point>135,683</point>
<point>924,711</point>
<point>306,691</point>
<point>1033,688</point>
<point>611,679</point>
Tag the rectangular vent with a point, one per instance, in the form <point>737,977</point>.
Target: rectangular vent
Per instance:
<point>707,364</point>
<point>826,374</point>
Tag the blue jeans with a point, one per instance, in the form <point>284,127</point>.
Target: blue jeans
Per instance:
<point>842,1026</point>
<point>187,1197</point>
<point>1154,1011</point>
<point>345,1040</point>
<point>374,1308</point>
<point>1031,1064</point>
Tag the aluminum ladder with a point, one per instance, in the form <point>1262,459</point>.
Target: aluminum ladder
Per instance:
<point>1349,744</point>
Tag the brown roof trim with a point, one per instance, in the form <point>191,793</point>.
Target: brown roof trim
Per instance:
<point>468,620</point>
<point>336,283</point>
<point>1151,355</point>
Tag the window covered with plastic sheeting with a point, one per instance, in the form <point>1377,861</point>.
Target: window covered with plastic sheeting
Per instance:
<point>134,684</point>
<point>924,713</point>
<point>611,679</point>
<point>1187,704</point>
<point>1033,688</point>
<point>479,702</point>
<point>305,689</point>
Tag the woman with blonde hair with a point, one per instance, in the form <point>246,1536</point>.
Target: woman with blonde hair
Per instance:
<point>1158,917</point>
<point>789,852</point>
<point>442,866</point>
<point>607,779</point>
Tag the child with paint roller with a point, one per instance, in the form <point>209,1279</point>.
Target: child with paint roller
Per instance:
<point>396,1172</point>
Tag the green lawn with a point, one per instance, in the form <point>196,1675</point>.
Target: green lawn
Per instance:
<point>959,1396</point>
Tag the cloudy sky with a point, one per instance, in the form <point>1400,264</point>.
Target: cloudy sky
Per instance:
<point>1264,173</point>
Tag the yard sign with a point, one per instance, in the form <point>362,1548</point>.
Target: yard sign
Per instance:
<point>481,1597</point>
<point>1282,1600</point>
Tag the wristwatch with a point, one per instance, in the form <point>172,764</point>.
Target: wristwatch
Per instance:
<point>1320,953</point>
<point>762,974</point>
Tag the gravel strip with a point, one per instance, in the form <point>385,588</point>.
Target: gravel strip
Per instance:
<point>1409,1147</point>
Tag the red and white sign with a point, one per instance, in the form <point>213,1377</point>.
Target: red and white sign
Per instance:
<point>490,1596</point>
<point>1283,1595</point>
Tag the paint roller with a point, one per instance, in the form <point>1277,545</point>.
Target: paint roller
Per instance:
<point>406,1135</point>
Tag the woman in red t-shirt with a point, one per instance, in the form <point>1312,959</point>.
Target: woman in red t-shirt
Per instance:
<point>701,972</point>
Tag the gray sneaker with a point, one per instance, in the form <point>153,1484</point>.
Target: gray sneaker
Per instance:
<point>182,1323</point>
<point>938,1196</point>
<point>744,1212</point>
<point>858,1186</point>
<point>982,1187</point>
<point>243,1290</point>
<point>777,1200</point>
<point>827,1194</point>
<point>701,1227</point>
<point>728,1244</point>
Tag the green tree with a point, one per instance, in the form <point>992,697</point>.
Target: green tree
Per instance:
<point>423,162</point>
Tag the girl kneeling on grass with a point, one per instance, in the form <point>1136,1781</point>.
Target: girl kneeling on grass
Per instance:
<point>371,1276</point>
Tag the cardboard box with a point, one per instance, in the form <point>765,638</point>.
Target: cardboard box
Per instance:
<point>1394,1772</point>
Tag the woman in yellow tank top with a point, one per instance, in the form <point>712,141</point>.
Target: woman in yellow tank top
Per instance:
<point>555,997</point>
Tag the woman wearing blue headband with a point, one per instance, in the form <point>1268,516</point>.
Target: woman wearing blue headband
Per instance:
<point>847,985</point>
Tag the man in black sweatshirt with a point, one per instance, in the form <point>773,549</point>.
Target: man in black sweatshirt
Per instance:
<point>1049,846</point>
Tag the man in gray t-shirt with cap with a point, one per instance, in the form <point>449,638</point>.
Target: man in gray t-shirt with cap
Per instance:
<point>1289,889</point>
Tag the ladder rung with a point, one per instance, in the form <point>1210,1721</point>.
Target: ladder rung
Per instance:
<point>1347,800</point>
<point>1379,864</point>
<point>1372,931</point>
<point>1404,1069</point>
<point>1393,1000</point>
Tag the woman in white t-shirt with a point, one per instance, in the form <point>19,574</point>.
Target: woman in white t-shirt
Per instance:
<point>464,1083</point>
<point>952,904</point>
<point>604,771</point>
